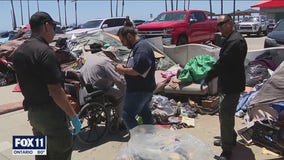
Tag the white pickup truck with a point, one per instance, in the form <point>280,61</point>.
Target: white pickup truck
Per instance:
<point>110,25</point>
<point>253,25</point>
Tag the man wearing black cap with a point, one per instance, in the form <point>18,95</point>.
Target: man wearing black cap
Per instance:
<point>39,76</point>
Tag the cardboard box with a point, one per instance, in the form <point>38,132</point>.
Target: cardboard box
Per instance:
<point>211,102</point>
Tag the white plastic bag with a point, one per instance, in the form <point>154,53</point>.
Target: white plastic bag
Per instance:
<point>151,142</point>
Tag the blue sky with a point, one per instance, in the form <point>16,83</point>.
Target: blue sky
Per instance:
<point>90,9</point>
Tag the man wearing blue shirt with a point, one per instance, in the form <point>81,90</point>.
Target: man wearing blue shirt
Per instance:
<point>139,73</point>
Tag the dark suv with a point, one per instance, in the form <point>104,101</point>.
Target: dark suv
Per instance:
<point>276,37</point>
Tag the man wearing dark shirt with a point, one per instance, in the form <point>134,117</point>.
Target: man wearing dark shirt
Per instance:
<point>139,74</point>
<point>231,81</point>
<point>40,78</point>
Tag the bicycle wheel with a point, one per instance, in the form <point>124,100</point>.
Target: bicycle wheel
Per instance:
<point>94,118</point>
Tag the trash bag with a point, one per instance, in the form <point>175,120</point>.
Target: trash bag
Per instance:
<point>163,108</point>
<point>152,142</point>
<point>255,74</point>
<point>61,43</point>
<point>196,68</point>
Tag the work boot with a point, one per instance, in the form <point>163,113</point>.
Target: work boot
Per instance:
<point>218,142</point>
<point>225,155</point>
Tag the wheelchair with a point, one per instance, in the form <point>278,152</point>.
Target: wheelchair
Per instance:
<point>97,114</point>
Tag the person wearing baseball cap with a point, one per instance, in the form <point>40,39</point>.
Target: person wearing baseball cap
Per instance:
<point>40,18</point>
<point>39,76</point>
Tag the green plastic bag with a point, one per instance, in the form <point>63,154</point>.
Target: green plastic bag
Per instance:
<point>196,68</point>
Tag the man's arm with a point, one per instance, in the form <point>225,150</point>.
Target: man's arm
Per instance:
<point>60,98</point>
<point>121,69</point>
<point>230,56</point>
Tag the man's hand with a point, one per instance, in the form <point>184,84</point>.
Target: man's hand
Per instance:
<point>119,68</point>
<point>202,84</point>
<point>77,125</point>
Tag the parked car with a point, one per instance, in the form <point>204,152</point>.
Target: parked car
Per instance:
<point>4,36</point>
<point>276,37</point>
<point>253,25</point>
<point>270,25</point>
<point>138,22</point>
<point>180,27</point>
<point>110,25</point>
<point>8,35</point>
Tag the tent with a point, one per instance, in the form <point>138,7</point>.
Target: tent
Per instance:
<point>269,4</point>
<point>272,91</point>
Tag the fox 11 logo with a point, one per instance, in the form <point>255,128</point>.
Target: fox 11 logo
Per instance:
<point>29,145</point>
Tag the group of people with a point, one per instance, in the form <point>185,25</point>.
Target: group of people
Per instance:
<point>38,73</point>
<point>39,76</point>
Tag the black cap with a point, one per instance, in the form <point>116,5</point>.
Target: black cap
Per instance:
<point>40,18</point>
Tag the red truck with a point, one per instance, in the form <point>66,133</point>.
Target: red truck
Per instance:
<point>180,27</point>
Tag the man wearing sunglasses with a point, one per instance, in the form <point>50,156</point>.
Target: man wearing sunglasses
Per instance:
<point>39,76</point>
<point>230,71</point>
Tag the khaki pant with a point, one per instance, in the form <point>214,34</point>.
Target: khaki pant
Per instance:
<point>52,122</point>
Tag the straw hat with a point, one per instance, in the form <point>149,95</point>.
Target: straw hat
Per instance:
<point>111,52</point>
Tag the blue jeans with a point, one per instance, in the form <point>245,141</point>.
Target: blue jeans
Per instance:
<point>137,103</point>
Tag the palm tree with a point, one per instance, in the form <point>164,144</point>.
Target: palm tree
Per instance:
<point>176,4</point>
<point>172,5</point>
<point>111,14</point>
<point>59,15</point>
<point>116,13</point>
<point>13,16</point>
<point>65,13</point>
<point>221,6</point>
<point>234,9</point>
<point>188,4</point>
<point>37,5</point>
<point>75,5</point>
<point>210,5</point>
<point>166,6</point>
<point>21,5</point>
<point>29,15</point>
<point>183,4</point>
<point>122,6</point>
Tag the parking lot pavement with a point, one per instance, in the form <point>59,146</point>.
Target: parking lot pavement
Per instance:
<point>206,128</point>
<point>15,123</point>
<point>10,101</point>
